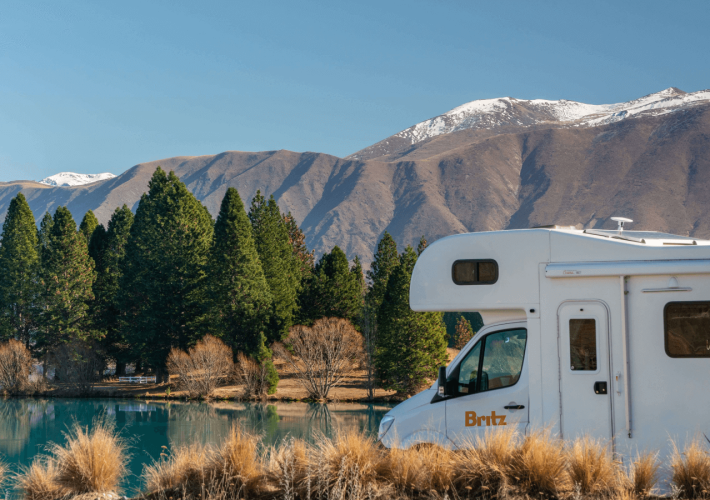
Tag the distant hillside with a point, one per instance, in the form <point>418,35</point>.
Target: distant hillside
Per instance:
<point>653,168</point>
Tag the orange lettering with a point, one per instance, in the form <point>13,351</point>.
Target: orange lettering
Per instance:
<point>471,419</point>
<point>480,421</point>
<point>488,420</point>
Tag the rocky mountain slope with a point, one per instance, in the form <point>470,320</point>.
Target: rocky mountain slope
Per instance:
<point>652,165</point>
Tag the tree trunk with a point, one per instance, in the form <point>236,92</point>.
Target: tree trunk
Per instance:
<point>120,369</point>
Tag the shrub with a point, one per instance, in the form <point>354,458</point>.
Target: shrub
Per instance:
<point>15,365</point>
<point>539,466</point>
<point>257,378</point>
<point>203,367</point>
<point>323,355</point>
<point>90,462</point>
<point>691,469</point>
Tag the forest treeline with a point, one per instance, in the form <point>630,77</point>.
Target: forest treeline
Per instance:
<point>169,274</point>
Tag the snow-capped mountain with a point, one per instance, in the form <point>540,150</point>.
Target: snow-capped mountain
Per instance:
<point>507,112</point>
<point>73,179</point>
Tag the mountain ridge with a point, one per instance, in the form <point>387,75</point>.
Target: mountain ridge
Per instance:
<point>654,168</point>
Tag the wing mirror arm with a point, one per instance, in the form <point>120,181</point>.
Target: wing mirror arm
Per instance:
<point>442,382</point>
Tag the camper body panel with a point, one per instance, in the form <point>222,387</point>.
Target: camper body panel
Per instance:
<point>625,286</point>
<point>670,399</point>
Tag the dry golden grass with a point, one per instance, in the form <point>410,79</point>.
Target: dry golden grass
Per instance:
<point>642,475</point>
<point>592,470</point>
<point>38,481</point>
<point>539,466</point>
<point>200,471</point>
<point>90,462</point>
<point>691,469</point>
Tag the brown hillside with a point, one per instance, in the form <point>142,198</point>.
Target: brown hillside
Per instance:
<point>655,170</point>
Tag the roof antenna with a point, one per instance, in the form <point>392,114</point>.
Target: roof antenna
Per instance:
<point>621,221</point>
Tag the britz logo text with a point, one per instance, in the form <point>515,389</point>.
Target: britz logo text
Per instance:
<point>473,420</point>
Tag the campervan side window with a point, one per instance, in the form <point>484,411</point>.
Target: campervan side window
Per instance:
<point>583,344</point>
<point>475,272</point>
<point>687,329</point>
<point>495,362</point>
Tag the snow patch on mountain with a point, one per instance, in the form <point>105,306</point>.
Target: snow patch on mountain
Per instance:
<point>508,111</point>
<point>73,179</point>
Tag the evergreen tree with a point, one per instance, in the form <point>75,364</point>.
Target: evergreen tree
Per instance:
<point>19,266</point>
<point>334,290</point>
<point>422,245</point>
<point>411,346</point>
<point>162,294</point>
<point>67,277</point>
<point>451,320</point>
<point>386,259</point>
<point>297,239</point>
<point>464,333</point>
<point>108,248</point>
<point>43,237</point>
<point>281,267</point>
<point>88,224</point>
<point>241,302</point>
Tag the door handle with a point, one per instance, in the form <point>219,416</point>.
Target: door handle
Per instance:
<point>514,407</point>
<point>600,388</point>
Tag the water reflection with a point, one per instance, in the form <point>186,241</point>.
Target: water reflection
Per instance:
<point>28,425</point>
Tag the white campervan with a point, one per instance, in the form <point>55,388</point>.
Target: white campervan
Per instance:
<point>597,332</point>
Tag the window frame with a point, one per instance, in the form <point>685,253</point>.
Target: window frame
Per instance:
<point>665,329</point>
<point>476,281</point>
<point>454,377</point>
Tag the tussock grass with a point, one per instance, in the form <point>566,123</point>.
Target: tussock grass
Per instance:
<point>539,466</point>
<point>232,470</point>
<point>691,469</point>
<point>642,475</point>
<point>91,462</point>
<point>38,481</point>
<point>592,470</point>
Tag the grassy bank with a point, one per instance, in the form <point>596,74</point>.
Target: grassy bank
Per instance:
<point>503,464</point>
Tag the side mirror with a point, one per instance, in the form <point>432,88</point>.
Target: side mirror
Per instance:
<point>442,381</point>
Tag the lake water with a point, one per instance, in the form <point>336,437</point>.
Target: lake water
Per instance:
<point>28,425</point>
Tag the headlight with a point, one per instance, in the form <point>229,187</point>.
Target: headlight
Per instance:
<point>385,425</point>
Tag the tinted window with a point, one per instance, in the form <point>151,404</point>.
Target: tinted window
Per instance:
<point>475,272</point>
<point>502,359</point>
<point>583,344</point>
<point>687,329</point>
<point>468,371</point>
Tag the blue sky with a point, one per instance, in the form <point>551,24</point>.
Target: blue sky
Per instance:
<point>100,86</point>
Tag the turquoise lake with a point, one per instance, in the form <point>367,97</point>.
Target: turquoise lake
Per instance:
<point>27,426</point>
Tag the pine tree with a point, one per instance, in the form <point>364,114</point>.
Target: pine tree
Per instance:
<point>464,333</point>
<point>240,311</point>
<point>19,267</point>
<point>67,277</point>
<point>108,249</point>
<point>88,224</point>
<point>411,346</point>
<point>281,268</point>
<point>422,245</point>
<point>162,295</point>
<point>43,237</point>
<point>334,290</point>
<point>386,259</point>
<point>297,240</point>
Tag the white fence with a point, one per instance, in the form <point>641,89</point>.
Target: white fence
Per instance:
<point>137,380</point>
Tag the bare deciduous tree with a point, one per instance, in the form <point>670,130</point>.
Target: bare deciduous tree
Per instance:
<point>15,364</point>
<point>323,355</point>
<point>203,367</point>
<point>252,375</point>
